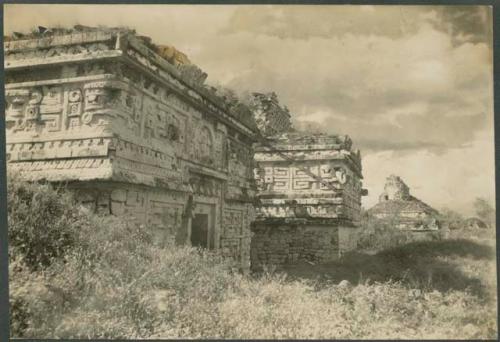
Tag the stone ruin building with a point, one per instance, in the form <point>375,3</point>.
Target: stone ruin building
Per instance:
<point>405,211</point>
<point>131,128</point>
<point>309,192</point>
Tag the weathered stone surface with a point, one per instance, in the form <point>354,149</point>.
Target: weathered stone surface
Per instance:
<point>286,244</point>
<point>133,129</point>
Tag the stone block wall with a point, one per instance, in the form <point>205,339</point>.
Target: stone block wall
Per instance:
<point>348,239</point>
<point>280,245</point>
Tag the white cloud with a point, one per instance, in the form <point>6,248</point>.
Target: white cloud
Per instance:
<point>367,8</point>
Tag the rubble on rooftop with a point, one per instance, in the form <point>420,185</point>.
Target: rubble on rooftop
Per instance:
<point>270,116</point>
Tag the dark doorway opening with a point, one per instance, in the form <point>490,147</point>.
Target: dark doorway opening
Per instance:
<point>199,230</point>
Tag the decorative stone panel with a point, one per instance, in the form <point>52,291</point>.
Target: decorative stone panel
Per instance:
<point>311,179</point>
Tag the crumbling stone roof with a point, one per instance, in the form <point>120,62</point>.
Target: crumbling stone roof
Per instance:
<point>270,116</point>
<point>44,32</point>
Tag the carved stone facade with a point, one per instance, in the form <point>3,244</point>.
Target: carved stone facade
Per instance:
<point>309,192</point>
<point>133,134</point>
<point>405,211</point>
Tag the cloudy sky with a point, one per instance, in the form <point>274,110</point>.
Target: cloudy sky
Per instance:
<point>412,85</point>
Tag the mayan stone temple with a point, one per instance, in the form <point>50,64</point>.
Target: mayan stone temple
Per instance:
<point>405,211</point>
<point>309,193</point>
<point>132,129</point>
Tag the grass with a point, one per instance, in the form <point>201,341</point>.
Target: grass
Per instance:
<point>432,265</point>
<point>104,278</point>
<point>185,293</point>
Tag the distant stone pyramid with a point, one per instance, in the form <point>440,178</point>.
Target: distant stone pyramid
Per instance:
<point>405,210</point>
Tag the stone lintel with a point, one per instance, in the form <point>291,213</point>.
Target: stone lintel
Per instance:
<point>63,170</point>
<point>140,178</point>
<point>312,147</point>
<point>28,138</point>
<point>238,199</point>
<point>303,200</point>
<point>43,62</point>
<point>277,221</point>
<point>78,79</point>
<point>58,40</point>
<point>304,155</point>
<point>277,160</point>
<point>265,195</point>
<point>277,154</point>
<point>207,172</point>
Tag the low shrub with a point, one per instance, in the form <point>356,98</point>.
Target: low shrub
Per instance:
<point>43,222</point>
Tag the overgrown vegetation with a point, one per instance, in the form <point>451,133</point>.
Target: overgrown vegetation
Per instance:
<point>102,278</point>
<point>42,222</point>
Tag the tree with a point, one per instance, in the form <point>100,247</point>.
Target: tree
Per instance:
<point>485,211</point>
<point>451,218</point>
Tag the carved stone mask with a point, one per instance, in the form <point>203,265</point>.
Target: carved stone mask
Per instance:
<point>16,101</point>
<point>75,95</point>
<point>36,97</point>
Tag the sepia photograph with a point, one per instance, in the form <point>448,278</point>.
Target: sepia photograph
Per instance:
<point>249,171</point>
